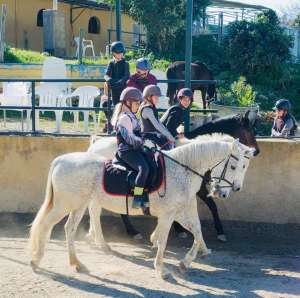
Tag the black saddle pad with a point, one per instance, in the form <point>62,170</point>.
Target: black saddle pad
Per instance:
<point>120,182</point>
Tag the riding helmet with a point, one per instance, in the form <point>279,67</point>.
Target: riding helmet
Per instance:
<point>151,90</point>
<point>143,64</point>
<point>131,94</point>
<point>185,92</point>
<point>282,104</point>
<point>117,47</point>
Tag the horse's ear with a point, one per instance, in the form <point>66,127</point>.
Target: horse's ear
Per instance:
<point>245,119</point>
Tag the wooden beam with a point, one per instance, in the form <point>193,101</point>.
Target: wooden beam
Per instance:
<point>3,14</point>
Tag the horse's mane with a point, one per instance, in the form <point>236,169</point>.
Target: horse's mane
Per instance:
<point>204,150</point>
<point>225,125</point>
<point>208,137</point>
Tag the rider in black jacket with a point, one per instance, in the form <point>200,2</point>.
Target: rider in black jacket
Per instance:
<point>174,116</point>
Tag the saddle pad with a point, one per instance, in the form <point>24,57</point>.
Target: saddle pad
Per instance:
<point>118,182</point>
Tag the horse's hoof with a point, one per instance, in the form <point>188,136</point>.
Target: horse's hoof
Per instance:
<point>165,274</point>
<point>182,235</point>
<point>222,238</point>
<point>138,236</point>
<point>105,248</point>
<point>182,267</point>
<point>33,265</point>
<point>89,238</point>
<point>205,253</point>
<point>80,268</point>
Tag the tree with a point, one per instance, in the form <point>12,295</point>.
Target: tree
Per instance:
<point>258,47</point>
<point>164,22</point>
<point>296,21</point>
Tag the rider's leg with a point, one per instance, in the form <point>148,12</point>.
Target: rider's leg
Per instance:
<point>136,160</point>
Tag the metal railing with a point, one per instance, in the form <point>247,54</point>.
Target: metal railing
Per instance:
<point>33,107</point>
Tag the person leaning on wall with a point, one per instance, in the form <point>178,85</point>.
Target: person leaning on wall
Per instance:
<point>285,124</point>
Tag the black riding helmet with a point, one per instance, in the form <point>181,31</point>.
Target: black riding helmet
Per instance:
<point>117,47</point>
<point>185,92</point>
<point>282,104</point>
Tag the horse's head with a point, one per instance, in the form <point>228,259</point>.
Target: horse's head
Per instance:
<point>245,132</point>
<point>230,173</point>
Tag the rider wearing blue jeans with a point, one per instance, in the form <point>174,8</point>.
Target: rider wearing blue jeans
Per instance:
<point>130,143</point>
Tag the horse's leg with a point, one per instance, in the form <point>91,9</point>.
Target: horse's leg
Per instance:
<point>203,195</point>
<point>162,229</point>
<point>95,224</point>
<point>70,230</point>
<point>90,236</point>
<point>190,220</point>
<point>42,233</point>
<point>203,95</point>
<point>180,231</point>
<point>130,229</point>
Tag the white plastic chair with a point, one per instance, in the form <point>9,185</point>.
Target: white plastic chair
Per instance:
<point>55,68</point>
<point>86,44</point>
<point>56,92</point>
<point>51,96</point>
<point>86,95</point>
<point>16,94</point>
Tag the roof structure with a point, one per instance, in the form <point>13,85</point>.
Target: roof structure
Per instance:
<point>233,4</point>
<point>87,4</point>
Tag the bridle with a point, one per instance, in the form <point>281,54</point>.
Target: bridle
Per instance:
<point>203,177</point>
<point>223,173</point>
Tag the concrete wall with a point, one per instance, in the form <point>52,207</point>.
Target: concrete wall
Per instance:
<point>271,192</point>
<point>23,71</point>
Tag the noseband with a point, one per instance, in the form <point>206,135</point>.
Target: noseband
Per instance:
<point>223,174</point>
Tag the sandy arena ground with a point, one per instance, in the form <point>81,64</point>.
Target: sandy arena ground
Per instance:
<point>257,261</point>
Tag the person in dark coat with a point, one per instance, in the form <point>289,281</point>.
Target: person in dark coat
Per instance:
<point>174,116</point>
<point>116,76</point>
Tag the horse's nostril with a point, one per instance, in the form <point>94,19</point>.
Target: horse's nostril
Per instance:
<point>223,196</point>
<point>256,152</point>
<point>238,189</point>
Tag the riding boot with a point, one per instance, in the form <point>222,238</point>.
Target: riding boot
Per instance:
<point>140,198</point>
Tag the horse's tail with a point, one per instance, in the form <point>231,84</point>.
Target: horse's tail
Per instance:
<point>171,91</point>
<point>35,230</point>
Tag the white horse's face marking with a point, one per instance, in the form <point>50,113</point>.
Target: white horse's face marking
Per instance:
<point>230,174</point>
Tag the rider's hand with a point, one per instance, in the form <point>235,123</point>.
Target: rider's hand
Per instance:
<point>180,136</point>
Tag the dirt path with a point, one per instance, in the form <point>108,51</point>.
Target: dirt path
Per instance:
<point>258,261</point>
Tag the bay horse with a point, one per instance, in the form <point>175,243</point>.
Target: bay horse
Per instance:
<point>199,71</point>
<point>74,182</point>
<point>238,126</point>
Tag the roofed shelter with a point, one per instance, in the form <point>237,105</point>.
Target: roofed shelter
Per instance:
<point>24,27</point>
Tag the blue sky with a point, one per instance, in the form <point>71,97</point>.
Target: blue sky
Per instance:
<point>275,4</point>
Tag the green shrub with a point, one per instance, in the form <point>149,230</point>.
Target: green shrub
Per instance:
<point>239,93</point>
<point>13,55</point>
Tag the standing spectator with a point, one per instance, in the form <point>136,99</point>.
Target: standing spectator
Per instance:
<point>142,77</point>
<point>116,76</point>
<point>284,124</point>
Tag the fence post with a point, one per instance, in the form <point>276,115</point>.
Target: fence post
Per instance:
<point>118,20</point>
<point>33,106</point>
<point>81,34</point>
<point>3,13</point>
<point>188,55</point>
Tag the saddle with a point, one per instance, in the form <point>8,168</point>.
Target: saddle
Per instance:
<point>119,178</point>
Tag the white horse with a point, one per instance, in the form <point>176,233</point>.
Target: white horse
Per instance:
<point>107,146</point>
<point>74,181</point>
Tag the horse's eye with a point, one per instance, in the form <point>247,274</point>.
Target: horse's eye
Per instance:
<point>233,168</point>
